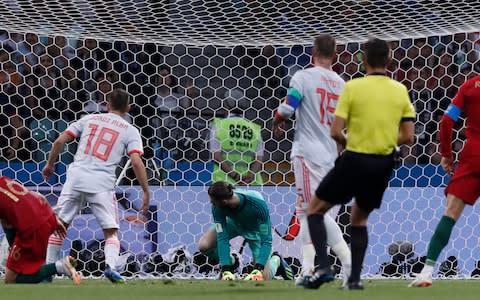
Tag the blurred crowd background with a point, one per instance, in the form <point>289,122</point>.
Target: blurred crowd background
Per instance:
<point>47,82</point>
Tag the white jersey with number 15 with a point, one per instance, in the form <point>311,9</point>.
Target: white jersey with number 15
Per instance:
<point>319,89</point>
<point>104,140</point>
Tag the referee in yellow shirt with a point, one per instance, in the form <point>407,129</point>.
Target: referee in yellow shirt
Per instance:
<point>378,115</point>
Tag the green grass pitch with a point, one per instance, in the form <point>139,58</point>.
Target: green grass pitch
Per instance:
<point>221,290</point>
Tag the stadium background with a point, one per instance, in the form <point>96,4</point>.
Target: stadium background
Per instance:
<point>48,80</point>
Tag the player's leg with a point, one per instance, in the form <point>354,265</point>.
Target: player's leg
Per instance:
<point>338,245</point>
<point>271,266</point>
<point>207,244</point>
<point>463,188</point>
<point>9,233</point>
<point>4,248</point>
<point>112,252</point>
<point>336,241</point>
<point>316,225</point>
<point>104,207</point>
<point>64,266</point>
<point>358,243</point>
<point>260,272</point>
<point>439,240</point>
<point>26,260</point>
<point>371,175</point>
<point>276,264</point>
<point>6,243</point>
<point>303,182</point>
<point>44,272</point>
<point>68,205</point>
<point>444,228</point>
<point>335,188</point>
<point>310,175</point>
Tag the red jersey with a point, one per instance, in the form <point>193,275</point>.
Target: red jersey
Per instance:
<point>21,208</point>
<point>467,100</point>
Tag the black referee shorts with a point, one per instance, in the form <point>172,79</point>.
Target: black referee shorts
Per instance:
<point>363,176</point>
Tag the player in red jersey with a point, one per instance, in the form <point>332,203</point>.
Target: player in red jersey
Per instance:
<point>464,186</point>
<point>28,222</point>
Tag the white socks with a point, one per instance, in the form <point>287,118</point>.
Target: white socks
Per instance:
<point>334,240</point>
<point>112,251</point>
<point>59,267</point>
<point>308,251</point>
<point>54,247</point>
<point>337,244</point>
<point>427,269</point>
<point>273,264</point>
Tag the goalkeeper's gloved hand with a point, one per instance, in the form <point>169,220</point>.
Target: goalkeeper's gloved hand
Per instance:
<point>227,273</point>
<point>256,274</point>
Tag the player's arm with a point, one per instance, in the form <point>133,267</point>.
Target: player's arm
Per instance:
<point>57,147</point>
<point>135,151</point>
<point>265,230</point>
<point>223,242</point>
<point>450,117</point>
<point>224,165</point>
<point>342,114</point>
<point>337,131</point>
<point>292,101</point>
<point>141,175</point>
<point>406,132</point>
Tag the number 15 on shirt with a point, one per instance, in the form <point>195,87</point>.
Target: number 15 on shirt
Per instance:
<point>328,102</point>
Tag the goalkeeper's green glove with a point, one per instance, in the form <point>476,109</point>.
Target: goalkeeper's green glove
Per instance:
<point>227,275</point>
<point>256,274</point>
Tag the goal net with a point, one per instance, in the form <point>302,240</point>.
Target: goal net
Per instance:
<point>186,63</point>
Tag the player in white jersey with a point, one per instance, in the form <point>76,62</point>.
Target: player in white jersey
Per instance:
<point>312,96</point>
<point>103,141</point>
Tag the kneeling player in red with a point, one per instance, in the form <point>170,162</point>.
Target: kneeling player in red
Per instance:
<point>28,221</point>
<point>464,186</point>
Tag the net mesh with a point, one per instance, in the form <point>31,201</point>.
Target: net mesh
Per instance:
<point>56,69</point>
<point>238,22</point>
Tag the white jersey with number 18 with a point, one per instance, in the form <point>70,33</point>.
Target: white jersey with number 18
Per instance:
<point>317,90</point>
<point>104,140</point>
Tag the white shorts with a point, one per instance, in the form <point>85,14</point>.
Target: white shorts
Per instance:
<point>104,206</point>
<point>308,176</point>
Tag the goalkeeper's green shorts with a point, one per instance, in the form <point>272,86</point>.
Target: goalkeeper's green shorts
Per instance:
<point>252,237</point>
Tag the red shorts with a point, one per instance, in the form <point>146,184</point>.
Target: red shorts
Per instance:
<point>465,182</point>
<point>29,249</point>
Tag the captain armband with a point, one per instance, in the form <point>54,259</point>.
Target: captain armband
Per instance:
<point>453,112</point>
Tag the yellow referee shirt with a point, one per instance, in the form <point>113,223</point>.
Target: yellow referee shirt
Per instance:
<point>373,107</point>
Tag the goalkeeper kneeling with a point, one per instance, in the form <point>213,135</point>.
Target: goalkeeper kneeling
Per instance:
<point>241,213</point>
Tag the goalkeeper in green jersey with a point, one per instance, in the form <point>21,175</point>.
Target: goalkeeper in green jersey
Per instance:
<point>241,213</point>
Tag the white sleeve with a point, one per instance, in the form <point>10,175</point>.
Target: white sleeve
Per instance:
<point>293,98</point>
<point>76,128</point>
<point>134,143</point>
